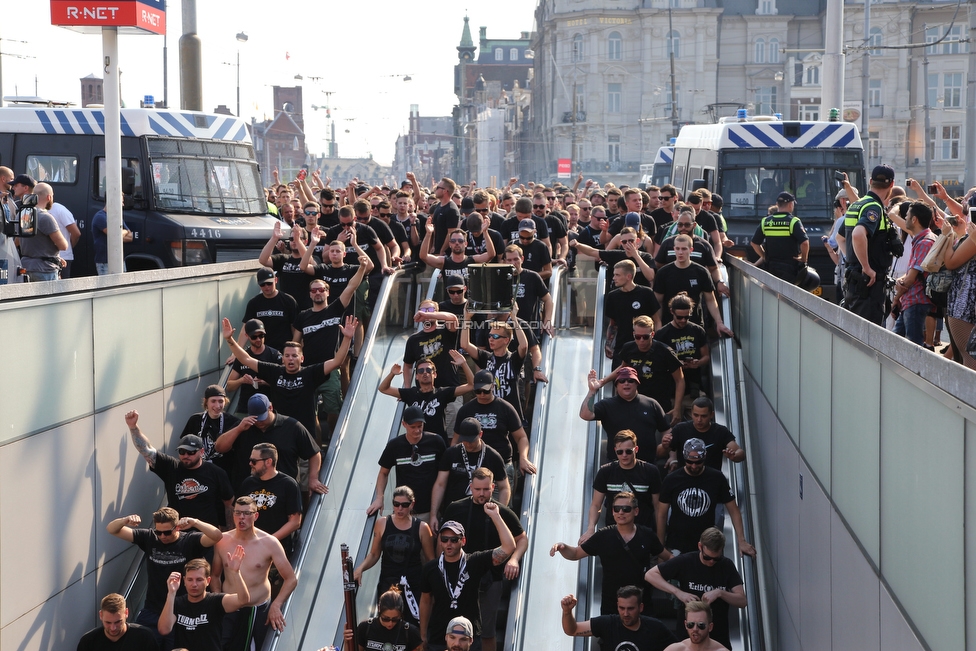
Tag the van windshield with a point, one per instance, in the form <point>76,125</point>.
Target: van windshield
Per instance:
<point>205,177</point>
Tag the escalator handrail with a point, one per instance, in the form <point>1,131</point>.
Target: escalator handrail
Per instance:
<point>338,438</point>
<point>515,628</point>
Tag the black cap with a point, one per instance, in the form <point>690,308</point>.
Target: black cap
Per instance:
<point>453,281</point>
<point>413,415</point>
<point>265,274</point>
<point>717,200</point>
<point>785,197</point>
<point>883,174</point>
<point>254,326</point>
<point>467,205</point>
<point>484,380</point>
<point>469,429</point>
<point>23,179</point>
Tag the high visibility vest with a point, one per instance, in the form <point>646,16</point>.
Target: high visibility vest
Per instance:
<point>777,225</point>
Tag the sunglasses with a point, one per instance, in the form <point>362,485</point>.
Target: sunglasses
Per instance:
<point>164,532</point>
<point>455,292</point>
<point>526,237</point>
<point>625,453</point>
<point>256,335</point>
<point>424,371</point>
<point>627,241</point>
<point>540,207</point>
<point>401,505</point>
<point>255,462</point>
<point>187,453</point>
<point>451,539</point>
<point>328,205</point>
<point>680,317</point>
<point>710,559</point>
<point>415,455</point>
<point>701,626</point>
<point>384,214</point>
<point>426,310</point>
<point>317,290</point>
<point>483,211</point>
<point>494,335</point>
<point>641,337</point>
<point>600,218</point>
<point>454,240</point>
<point>585,209</point>
<point>694,462</point>
<point>622,508</point>
<point>267,284</point>
<point>627,380</point>
<point>311,212</point>
<point>666,197</point>
<point>389,620</point>
<point>483,392</point>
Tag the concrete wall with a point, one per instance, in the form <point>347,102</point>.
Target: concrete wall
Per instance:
<point>862,444</point>
<point>73,365</point>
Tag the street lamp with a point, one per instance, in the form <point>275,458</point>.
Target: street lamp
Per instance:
<point>241,38</point>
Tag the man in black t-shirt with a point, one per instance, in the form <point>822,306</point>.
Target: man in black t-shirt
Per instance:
<point>433,402</point>
<point>719,441</point>
<point>196,618</point>
<point>455,261</point>
<point>683,275</point>
<point>277,496</point>
<point>627,629</point>
<point>200,489</point>
<point>706,220</point>
<point>523,210</point>
<point>533,297</point>
<point>274,308</point>
<point>167,547</point>
<point>445,216</point>
<point>504,365</point>
<point>115,633</point>
<point>287,266</point>
<point>692,493</point>
<point>438,336</point>
<point>535,254</point>
<point>658,368</point>
<point>626,302</point>
<point>457,467</point>
<point>240,378</point>
<point>699,572</point>
<point>689,342</point>
<point>359,239</point>
<point>627,474</point>
<point>415,455</point>
<point>334,270</point>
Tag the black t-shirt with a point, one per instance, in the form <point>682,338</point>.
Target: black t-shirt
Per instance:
<point>624,563</point>
<point>706,220</point>
<point>510,229</point>
<point>446,218</point>
<point>643,480</point>
<point>557,228</point>
<point>199,626</point>
<point>498,420</point>
<point>694,279</point>
<point>337,277</point>
<point>435,346</point>
<point>136,638</point>
<point>198,493</point>
<point>246,390</point>
<point>701,252</point>
<point>686,343</point>
<point>277,499</point>
<point>662,218</point>
<point>477,564</point>
<point>291,279</point>
<point>416,465</point>
<point>276,313</point>
<point>163,559</point>
<point>293,394</point>
<point>433,404</point>
<point>373,636</point>
<point>366,239</point>
<point>652,635</point>
<point>716,438</point>
<point>210,429</point>
<point>614,256</point>
<point>648,225</point>
<point>476,244</point>
<point>480,532</point>
<point>530,289</point>
<point>693,501</point>
<point>535,256</point>
<point>623,306</point>
<point>479,328</point>
<point>655,369</point>
<point>643,415</point>
<point>696,578</point>
<point>460,465</point>
<point>399,234</point>
<point>321,332</point>
<point>288,435</point>
<point>589,236</point>
<point>455,268</point>
<point>507,370</point>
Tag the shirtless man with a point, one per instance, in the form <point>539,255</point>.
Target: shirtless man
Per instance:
<point>262,549</point>
<point>698,622</point>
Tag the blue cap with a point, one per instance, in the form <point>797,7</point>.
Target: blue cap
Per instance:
<point>258,406</point>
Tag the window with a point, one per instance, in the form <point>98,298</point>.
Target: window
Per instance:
<point>952,90</point>
<point>513,54</point>
<point>810,112</point>
<point>876,40</point>
<point>933,90</point>
<point>53,169</point>
<point>673,44</point>
<point>613,149</point>
<point>578,152</point>
<point>674,4</point>
<point>874,92</point>
<point>766,100</point>
<point>874,145</point>
<point>950,45</point>
<point>774,50</point>
<point>580,99</point>
<point>499,54</point>
<point>615,46</point>
<point>950,142</point>
<point>766,8</point>
<point>812,76</point>
<point>132,163</point>
<point>578,47</point>
<point>760,50</point>
<point>613,98</point>
<point>931,36</point>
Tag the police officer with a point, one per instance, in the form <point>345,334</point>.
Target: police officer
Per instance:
<point>868,256</point>
<point>781,241</point>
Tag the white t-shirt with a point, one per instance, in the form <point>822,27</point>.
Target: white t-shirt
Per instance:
<point>64,218</point>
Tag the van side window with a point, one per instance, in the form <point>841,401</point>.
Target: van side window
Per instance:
<point>99,180</point>
<point>52,169</point>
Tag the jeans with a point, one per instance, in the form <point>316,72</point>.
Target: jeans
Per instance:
<point>911,323</point>
<point>40,276</point>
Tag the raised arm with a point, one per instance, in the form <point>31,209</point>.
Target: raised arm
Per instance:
<point>242,356</point>
<point>167,618</point>
<point>269,247</point>
<point>232,602</point>
<point>570,626</point>
<point>386,384</point>
<point>143,446</point>
<point>594,384</point>
<point>507,546</point>
<point>314,237</point>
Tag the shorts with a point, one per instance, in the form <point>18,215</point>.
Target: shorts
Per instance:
<point>331,393</point>
<point>489,599</point>
<point>362,309</point>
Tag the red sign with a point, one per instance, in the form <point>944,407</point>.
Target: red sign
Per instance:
<point>90,16</point>
<point>564,168</point>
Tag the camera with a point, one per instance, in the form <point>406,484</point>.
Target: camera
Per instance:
<point>972,201</point>
<point>20,221</point>
<point>839,176</point>
<point>932,189</point>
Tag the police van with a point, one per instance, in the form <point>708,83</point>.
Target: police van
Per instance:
<point>751,160</point>
<point>192,187</point>
<point>659,172</point>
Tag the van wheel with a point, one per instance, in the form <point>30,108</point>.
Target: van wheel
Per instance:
<point>140,264</point>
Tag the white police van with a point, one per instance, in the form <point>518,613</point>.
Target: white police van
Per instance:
<point>193,192</point>
<point>659,172</point>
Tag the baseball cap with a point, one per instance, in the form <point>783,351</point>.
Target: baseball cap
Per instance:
<point>785,197</point>
<point>632,220</point>
<point>265,274</point>
<point>694,446</point>
<point>190,442</point>
<point>469,429</point>
<point>454,281</point>
<point>213,391</point>
<point>253,327</point>
<point>460,626</point>
<point>484,380</point>
<point>413,415</point>
<point>883,174</point>
<point>841,194</point>
<point>258,406</point>
<point>467,205</point>
<point>526,225</point>
<point>717,201</point>
<point>454,526</point>
<point>23,179</point>
<point>626,373</point>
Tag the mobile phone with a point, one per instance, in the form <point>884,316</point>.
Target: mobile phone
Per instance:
<point>302,174</point>
<point>839,176</point>
<point>932,189</point>
<point>952,219</point>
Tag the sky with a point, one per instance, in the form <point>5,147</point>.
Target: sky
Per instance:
<point>358,52</point>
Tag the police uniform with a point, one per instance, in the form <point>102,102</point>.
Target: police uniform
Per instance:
<point>781,235</point>
<point>860,299</point>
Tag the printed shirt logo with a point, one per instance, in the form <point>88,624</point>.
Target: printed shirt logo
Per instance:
<point>286,384</point>
<point>190,488</point>
<point>309,329</point>
<point>265,313</point>
<point>191,623</point>
<point>694,502</point>
<point>488,421</point>
<point>263,499</point>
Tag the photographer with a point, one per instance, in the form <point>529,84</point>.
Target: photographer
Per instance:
<point>39,254</point>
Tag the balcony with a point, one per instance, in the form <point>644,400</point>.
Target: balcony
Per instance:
<point>568,117</point>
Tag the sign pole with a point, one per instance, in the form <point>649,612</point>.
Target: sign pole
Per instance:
<point>113,149</point>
